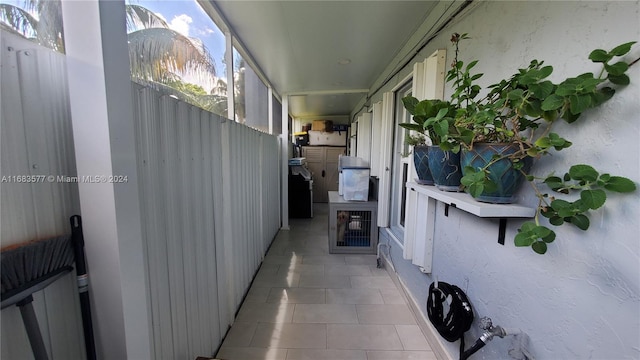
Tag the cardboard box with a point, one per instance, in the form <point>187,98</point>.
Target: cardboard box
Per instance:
<point>322,125</point>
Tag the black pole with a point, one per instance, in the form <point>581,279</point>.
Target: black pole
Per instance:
<point>33,330</point>
<point>83,285</point>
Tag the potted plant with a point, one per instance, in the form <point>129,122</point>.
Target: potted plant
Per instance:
<point>501,134</point>
<point>420,157</point>
<point>429,116</point>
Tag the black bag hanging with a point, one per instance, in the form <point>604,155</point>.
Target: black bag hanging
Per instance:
<point>457,320</point>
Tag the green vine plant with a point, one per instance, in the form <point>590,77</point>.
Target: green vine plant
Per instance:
<point>522,111</point>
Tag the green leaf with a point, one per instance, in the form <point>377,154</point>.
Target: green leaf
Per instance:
<point>593,199</point>
<point>539,247</point>
<point>619,79</point>
<point>552,102</point>
<point>581,221</point>
<point>600,96</point>
<point>515,94</point>
<point>620,184</point>
<point>599,56</point>
<point>523,239</point>
<point>550,237</point>
<point>410,103</point>
<point>442,113</point>
<point>621,49</point>
<point>559,204</point>
<point>556,220</point>
<point>554,182</point>
<point>410,126</point>
<point>569,117</point>
<point>543,142</point>
<point>545,71</point>
<point>568,87</point>
<point>441,127</point>
<point>579,103</point>
<point>583,172</point>
<point>542,90</point>
<point>618,68</point>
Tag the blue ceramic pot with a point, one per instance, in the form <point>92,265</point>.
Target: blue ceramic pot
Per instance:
<point>421,162</point>
<point>501,172</point>
<point>445,169</point>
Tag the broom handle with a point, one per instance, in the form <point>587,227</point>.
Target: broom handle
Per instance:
<point>33,330</point>
<point>83,285</point>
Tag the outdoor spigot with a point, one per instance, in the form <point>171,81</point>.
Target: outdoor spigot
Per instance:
<point>486,323</point>
<point>491,331</point>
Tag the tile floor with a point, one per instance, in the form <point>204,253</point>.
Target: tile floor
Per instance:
<point>307,304</point>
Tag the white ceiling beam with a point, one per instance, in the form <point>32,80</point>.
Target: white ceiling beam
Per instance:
<point>328,92</point>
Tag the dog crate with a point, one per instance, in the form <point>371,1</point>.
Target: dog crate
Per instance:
<point>353,227</point>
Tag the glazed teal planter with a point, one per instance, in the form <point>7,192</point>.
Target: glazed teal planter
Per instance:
<point>421,162</point>
<point>445,169</point>
<point>501,172</point>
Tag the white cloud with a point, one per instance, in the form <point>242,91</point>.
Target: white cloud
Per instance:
<point>181,23</point>
<point>206,32</point>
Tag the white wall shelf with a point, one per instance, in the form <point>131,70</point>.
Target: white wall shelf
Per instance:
<point>465,202</point>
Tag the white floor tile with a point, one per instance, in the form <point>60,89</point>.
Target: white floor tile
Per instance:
<point>385,314</point>
<point>372,282</point>
<point>354,296</point>
<point>325,282</point>
<point>363,337</point>
<point>265,312</point>
<point>290,336</point>
<point>401,355</point>
<point>296,296</point>
<point>247,353</point>
<point>325,313</point>
<point>347,270</point>
<point>412,337</point>
<point>325,354</point>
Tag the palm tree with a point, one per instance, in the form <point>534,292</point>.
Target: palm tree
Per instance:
<point>46,32</point>
<point>156,52</point>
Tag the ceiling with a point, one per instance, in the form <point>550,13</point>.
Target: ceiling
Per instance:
<point>325,54</point>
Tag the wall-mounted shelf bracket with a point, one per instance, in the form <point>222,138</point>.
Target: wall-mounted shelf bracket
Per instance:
<point>502,230</point>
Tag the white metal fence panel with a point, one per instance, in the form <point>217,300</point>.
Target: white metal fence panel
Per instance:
<point>209,188</point>
<point>38,193</point>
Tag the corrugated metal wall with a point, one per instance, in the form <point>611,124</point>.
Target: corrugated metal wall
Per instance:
<point>210,204</point>
<point>37,143</point>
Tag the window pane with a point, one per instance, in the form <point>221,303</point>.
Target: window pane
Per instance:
<point>255,94</point>
<point>239,86</point>
<point>399,177</point>
<point>277,116</point>
<point>176,48</point>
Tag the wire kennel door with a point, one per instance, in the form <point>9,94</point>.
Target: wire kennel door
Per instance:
<point>353,226</point>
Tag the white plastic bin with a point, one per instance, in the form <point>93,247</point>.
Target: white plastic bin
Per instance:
<point>354,178</point>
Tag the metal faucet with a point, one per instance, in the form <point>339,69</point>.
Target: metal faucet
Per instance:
<point>490,330</point>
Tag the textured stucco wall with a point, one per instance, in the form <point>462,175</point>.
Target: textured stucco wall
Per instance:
<point>582,299</point>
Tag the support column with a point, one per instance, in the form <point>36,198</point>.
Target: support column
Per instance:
<point>103,130</point>
<point>285,162</point>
